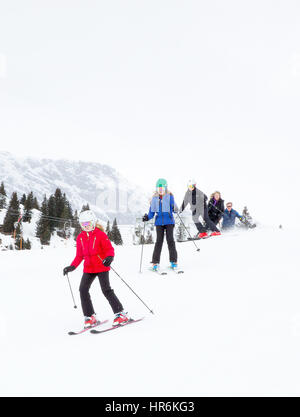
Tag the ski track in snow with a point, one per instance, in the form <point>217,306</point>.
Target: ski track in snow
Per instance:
<point>230,325</point>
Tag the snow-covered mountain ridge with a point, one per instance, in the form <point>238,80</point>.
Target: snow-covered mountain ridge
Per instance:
<point>108,193</point>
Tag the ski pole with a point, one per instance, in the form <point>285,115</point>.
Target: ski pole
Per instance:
<point>75,306</point>
<point>210,204</point>
<point>143,240</point>
<point>132,290</point>
<point>188,232</point>
<point>128,286</point>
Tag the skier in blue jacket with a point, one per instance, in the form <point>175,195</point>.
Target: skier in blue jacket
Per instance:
<point>163,206</point>
<point>229,216</point>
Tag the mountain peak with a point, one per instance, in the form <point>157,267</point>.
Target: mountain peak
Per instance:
<point>108,193</point>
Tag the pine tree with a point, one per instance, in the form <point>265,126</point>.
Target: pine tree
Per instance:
<point>108,230</point>
<point>19,237</point>
<point>12,214</point>
<point>43,229</point>
<point>85,207</point>
<point>138,233</point>
<point>52,213</point>
<point>247,219</point>
<point>28,206</point>
<point>59,203</point>
<point>149,238</point>
<point>27,244</point>
<point>115,234</point>
<point>138,230</point>
<point>23,199</point>
<point>65,215</point>
<point>76,225</point>
<point>2,196</point>
<point>36,204</point>
<point>67,212</point>
<point>181,233</point>
<point>2,189</point>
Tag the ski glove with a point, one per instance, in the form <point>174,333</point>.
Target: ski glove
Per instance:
<point>68,269</point>
<point>108,260</point>
<point>145,218</point>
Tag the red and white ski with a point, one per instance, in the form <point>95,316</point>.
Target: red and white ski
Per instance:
<point>99,323</point>
<point>116,327</point>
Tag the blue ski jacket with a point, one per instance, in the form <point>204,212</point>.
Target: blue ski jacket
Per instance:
<point>163,208</point>
<point>229,218</point>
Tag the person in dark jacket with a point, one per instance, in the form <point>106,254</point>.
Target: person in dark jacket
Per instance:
<point>163,206</point>
<point>198,203</point>
<point>229,217</point>
<point>216,207</point>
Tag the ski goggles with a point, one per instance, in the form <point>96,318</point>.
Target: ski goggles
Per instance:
<point>191,186</point>
<point>87,225</point>
<point>161,189</point>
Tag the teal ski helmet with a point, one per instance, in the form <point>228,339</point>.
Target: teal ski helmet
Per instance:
<point>161,183</point>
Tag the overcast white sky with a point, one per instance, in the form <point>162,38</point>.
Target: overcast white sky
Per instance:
<point>166,88</point>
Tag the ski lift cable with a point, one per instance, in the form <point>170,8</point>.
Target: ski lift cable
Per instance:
<point>63,219</point>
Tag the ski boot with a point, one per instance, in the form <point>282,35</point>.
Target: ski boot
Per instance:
<point>155,267</point>
<point>120,318</point>
<point>174,266</point>
<point>215,234</point>
<point>203,235</point>
<point>90,321</point>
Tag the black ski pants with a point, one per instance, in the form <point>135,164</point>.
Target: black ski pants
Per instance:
<point>210,225</point>
<point>160,234</point>
<point>85,284</point>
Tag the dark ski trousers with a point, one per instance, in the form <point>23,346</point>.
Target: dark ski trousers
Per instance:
<point>215,221</point>
<point>160,234</point>
<point>85,284</point>
<point>210,225</point>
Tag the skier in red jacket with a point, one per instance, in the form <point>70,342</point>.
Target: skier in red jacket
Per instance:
<point>94,247</point>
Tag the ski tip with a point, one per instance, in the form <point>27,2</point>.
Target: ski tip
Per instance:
<point>88,328</point>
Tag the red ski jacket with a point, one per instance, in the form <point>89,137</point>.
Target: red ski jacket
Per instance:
<point>91,246</point>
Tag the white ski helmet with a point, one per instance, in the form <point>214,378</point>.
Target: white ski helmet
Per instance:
<point>191,183</point>
<point>87,220</point>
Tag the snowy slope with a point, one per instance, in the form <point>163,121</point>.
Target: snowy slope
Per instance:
<point>107,192</point>
<point>229,325</point>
